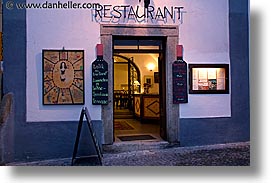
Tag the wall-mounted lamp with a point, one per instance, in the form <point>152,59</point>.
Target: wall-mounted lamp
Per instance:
<point>136,86</point>
<point>136,83</point>
<point>151,66</point>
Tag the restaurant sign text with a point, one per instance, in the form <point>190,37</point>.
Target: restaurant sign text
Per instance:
<point>107,13</point>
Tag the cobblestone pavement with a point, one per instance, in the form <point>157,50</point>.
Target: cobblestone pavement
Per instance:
<point>214,155</point>
<point>236,154</point>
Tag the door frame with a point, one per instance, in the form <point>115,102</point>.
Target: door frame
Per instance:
<point>161,67</point>
<point>107,31</point>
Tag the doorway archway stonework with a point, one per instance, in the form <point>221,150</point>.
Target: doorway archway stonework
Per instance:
<point>107,31</point>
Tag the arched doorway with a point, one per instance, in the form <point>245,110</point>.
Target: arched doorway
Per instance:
<point>126,81</point>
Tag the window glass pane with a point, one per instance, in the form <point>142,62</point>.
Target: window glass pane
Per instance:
<point>126,42</point>
<point>149,47</point>
<point>138,44</point>
<point>149,42</point>
<point>126,47</point>
<point>208,79</point>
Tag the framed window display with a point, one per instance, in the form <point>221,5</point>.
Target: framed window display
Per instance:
<point>63,77</point>
<point>208,78</point>
<point>156,77</point>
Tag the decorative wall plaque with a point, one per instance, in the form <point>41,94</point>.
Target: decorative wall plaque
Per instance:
<point>63,77</point>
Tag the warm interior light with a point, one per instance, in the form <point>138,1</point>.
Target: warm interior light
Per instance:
<point>136,83</point>
<point>208,79</point>
<point>151,66</point>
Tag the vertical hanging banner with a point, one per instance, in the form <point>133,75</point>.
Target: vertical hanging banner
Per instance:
<point>99,78</point>
<point>179,70</point>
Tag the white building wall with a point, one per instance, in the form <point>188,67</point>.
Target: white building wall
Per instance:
<point>204,34</point>
<point>55,29</point>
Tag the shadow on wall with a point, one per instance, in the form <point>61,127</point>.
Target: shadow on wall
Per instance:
<point>6,129</point>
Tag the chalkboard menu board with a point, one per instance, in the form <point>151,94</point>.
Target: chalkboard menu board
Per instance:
<point>179,70</point>
<point>100,82</point>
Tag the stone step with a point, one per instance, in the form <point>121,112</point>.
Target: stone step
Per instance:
<point>120,147</point>
<point>123,116</point>
<point>123,113</point>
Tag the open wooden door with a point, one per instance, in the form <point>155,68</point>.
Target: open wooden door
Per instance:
<point>162,96</point>
<point>132,77</point>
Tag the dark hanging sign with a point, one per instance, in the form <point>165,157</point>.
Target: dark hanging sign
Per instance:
<point>179,70</point>
<point>100,82</point>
